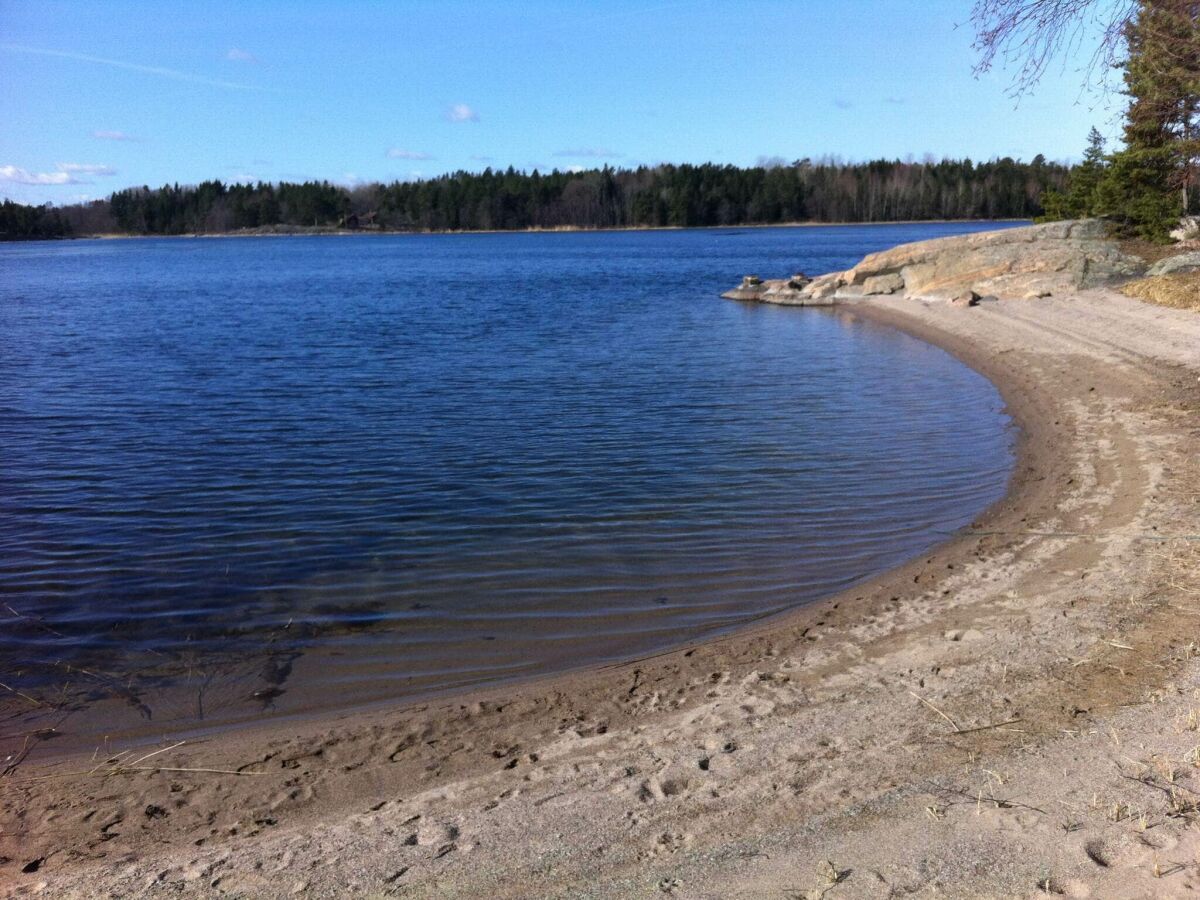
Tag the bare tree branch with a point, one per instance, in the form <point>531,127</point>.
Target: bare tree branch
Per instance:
<point>1030,34</point>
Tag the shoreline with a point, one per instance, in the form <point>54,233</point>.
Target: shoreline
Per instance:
<point>330,231</point>
<point>313,718</point>
<point>317,708</point>
<point>773,713</point>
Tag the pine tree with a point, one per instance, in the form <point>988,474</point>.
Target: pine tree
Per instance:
<point>1081,200</point>
<point>1154,179</point>
<point>1085,178</point>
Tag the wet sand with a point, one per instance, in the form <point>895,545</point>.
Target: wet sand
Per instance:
<point>1010,714</point>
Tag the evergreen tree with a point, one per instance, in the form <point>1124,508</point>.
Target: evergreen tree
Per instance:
<point>1153,180</point>
<point>1135,193</point>
<point>1085,178</point>
<point>20,222</point>
<point>1081,199</point>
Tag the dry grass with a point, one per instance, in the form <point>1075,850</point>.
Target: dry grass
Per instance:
<point>123,763</point>
<point>1151,253</point>
<point>1179,291</point>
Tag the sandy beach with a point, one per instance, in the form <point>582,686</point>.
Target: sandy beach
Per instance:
<point>1013,714</point>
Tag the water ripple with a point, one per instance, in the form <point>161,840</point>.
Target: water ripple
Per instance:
<point>430,461</point>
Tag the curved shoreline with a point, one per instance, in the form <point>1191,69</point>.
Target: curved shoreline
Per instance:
<point>699,760</point>
<point>172,713</point>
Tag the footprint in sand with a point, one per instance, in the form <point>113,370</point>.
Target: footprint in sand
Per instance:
<point>298,794</point>
<point>1099,853</point>
<point>496,801</point>
<point>409,741</point>
<point>670,842</point>
<point>201,868</point>
<point>438,834</point>
<point>654,790</point>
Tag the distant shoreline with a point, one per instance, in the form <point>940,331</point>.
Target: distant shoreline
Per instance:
<point>327,231</point>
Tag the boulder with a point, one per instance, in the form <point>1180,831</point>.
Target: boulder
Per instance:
<point>824,286</point>
<point>966,298</point>
<point>751,288</point>
<point>883,284</point>
<point>791,292</point>
<point>1182,262</point>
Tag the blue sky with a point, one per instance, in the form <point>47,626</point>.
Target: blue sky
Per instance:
<point>102,95</point>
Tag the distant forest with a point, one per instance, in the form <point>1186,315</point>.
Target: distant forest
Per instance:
<point>659,196</point>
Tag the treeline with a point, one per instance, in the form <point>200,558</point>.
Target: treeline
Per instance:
<point>19,222</point>
<point>706,195</point>
<point>659,196</point>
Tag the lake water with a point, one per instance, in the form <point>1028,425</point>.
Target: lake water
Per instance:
<point>263,476</point>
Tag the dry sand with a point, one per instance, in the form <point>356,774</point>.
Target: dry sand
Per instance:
<point>1015,713</point>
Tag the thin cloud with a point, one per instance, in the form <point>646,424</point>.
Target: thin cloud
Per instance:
<point>478,157</point>
<point>398,153</point>
<point>17,175</point>
<point>841,103</point>
<point>588,153</point>
<point>115,136</point>
<point>236,54</point>
<point>173,74</point>
<point>895,101</point>
<point>86,169</point>
<point>461,112</point>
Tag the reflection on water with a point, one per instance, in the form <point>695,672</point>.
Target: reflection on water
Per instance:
<point>271,475</point>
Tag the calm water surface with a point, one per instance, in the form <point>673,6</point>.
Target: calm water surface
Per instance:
<point>246,477</point>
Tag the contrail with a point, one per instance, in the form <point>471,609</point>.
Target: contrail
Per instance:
<point>173,74</point>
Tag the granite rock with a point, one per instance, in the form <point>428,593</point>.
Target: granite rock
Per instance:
<point>1183,262</point>
<point>1029,262</point>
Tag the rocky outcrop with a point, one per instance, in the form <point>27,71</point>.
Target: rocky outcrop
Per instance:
<point>1183,262</point>
<point>782,291</point>
<point>1034,261</point>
